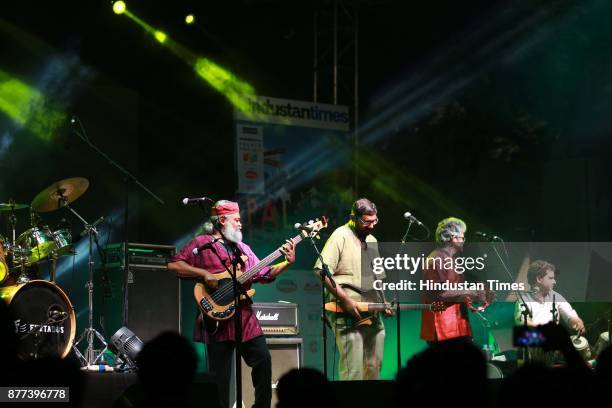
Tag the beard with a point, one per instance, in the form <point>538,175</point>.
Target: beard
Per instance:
<point>232,234</point>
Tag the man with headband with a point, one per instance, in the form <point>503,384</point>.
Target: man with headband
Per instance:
<point>224,232</point>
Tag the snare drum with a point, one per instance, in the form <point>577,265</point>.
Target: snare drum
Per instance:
<point>44,319</point>
<point>40,242</point>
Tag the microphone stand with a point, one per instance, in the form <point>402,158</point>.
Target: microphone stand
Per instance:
<point>411,220</point>
<point>398,330</point>
<point>238,291</point>
<point>129,178</point>
<point>324,273</point>
<point>555,313</point>
<point>525,311</point>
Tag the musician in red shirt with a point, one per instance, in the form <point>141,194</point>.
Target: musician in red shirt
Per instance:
<point>453,322</point>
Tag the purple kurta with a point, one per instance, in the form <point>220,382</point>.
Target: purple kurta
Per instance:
<point>209,261</point>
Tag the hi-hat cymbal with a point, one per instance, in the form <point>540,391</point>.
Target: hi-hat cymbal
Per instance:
<point>10,206</point>
<point>52,198</point>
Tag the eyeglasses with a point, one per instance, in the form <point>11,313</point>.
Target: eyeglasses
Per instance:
<point>367,223</point>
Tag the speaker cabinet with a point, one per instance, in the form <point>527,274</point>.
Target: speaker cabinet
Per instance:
<point>287,354</point>
<point>154,302</point>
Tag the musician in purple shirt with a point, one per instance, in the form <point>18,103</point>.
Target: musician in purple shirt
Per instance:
<point>224,233</point>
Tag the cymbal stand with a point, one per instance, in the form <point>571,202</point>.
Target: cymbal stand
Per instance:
<point>90,358</point>
<point>13,221</point>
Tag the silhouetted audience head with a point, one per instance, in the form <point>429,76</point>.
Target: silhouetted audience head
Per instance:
<point>8,339</point>
<point>603,368</point>
<point>444,374</point>
<point>167,366</point>
<point>304,387</point>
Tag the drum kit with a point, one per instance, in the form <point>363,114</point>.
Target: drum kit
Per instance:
<point>45,321</point>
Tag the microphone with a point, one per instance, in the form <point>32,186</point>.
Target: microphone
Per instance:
<point>408,216</point>
<point>197,200</point>
<point>208,245</point>
<point>487,236</point>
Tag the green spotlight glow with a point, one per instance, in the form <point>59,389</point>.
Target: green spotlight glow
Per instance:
<point>29,108</point>
<point>238,92</point>
<point>119,7</point>
<point>189,19</point>
<point>160,36</point>
<point>234,89</point>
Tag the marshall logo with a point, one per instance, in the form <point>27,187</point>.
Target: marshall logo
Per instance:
<point>266,316</point>
<point>21,327</point>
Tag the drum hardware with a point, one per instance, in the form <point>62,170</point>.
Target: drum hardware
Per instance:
<point>92,356</point>
<point>12,206</point>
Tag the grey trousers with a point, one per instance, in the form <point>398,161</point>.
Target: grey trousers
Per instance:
<point>360,349</point>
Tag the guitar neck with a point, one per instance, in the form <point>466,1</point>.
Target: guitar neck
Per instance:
<point>255,269</point>
<point>381,307</point>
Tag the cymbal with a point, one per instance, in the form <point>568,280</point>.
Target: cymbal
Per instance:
<point>10,206</point>
<point>68,190</point>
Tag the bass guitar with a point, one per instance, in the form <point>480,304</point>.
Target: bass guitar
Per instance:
<point>219,304</point>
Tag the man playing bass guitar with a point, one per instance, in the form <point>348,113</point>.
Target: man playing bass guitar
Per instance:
<point>212,253</point>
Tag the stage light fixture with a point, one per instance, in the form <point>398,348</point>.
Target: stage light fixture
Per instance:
<point>125,344</point>
<point>119,7</point>
<point>189,19</point>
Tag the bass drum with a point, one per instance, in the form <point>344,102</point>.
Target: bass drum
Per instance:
<point>44,319</point>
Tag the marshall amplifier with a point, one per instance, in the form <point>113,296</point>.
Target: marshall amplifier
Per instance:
<point>277,319</point>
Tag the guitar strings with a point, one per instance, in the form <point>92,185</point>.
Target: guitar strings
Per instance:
<point>256,269</point>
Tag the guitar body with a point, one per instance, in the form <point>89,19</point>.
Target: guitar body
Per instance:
<point>367,309</point>
<point>219,304</point>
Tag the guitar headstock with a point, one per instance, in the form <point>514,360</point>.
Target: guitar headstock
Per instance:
<point>438,306</point>
<point>311,228</point>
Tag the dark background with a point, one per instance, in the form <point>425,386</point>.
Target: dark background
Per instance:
<point>497,112</point>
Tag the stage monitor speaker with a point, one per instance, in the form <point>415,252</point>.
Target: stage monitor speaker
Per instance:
<point>154,302</point>
<point>287,354</point>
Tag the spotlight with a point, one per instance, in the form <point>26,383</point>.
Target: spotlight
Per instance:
<point>189,19</point>
<point>119,7</point>
<point>125,344</point>
<point>160,36</point>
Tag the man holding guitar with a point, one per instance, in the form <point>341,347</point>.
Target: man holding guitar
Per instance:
<point>210,254</point>
<point>360,345</point>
